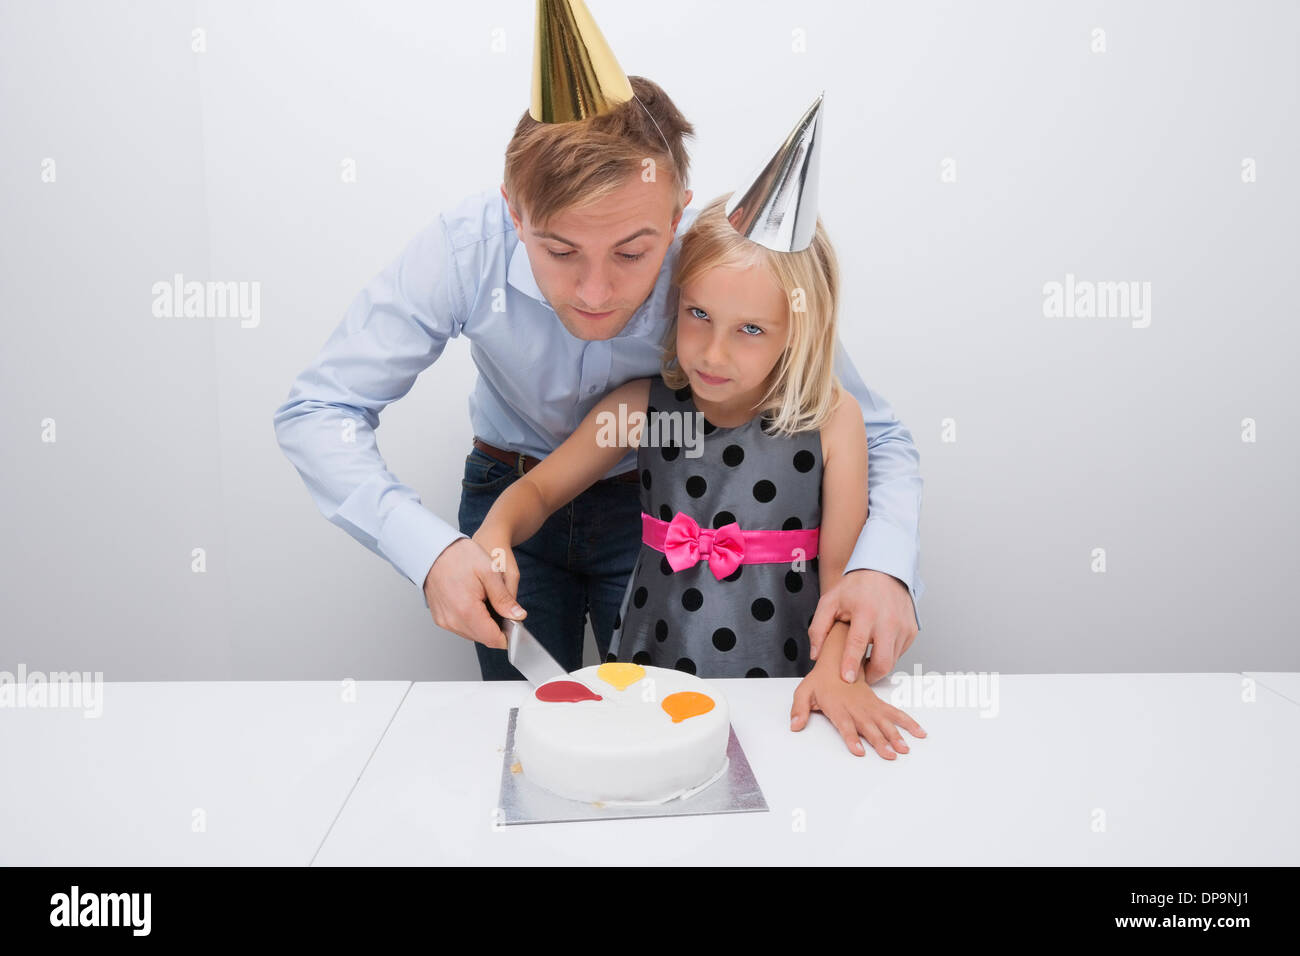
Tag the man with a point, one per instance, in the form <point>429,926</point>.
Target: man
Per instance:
<point>561,283</point>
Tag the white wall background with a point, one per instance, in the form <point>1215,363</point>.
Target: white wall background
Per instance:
<point>1072,434</point>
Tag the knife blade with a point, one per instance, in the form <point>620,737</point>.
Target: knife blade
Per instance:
<point>526,652</point>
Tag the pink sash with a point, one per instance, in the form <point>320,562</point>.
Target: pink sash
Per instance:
<point>685,543</point>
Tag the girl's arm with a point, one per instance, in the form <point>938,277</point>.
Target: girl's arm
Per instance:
<point>844,506</point>
<point>852,707</point>
<point>584,457</point>
<point>844,489</point>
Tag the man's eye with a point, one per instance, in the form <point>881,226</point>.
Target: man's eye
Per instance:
<point>751,325</point>
<point>703,315</point>
<point>626,257</point>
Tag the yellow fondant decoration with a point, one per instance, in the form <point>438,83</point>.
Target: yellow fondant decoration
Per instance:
<point>620,676</point>
<point>687,703</point>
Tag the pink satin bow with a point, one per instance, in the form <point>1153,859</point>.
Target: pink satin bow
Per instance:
<point>686,543</point>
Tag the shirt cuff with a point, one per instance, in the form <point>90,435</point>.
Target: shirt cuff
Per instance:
<point>886,548</point>
<point>412,537</point>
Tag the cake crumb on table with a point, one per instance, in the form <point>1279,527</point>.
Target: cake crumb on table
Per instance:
<point>516,767</point>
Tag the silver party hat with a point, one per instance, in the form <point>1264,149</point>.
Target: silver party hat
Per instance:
<point>778,207</point>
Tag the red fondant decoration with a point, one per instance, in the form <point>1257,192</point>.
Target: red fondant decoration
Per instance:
<point>565,692</point>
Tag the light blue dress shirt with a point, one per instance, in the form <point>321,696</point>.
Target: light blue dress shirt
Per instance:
<point>468,274</point>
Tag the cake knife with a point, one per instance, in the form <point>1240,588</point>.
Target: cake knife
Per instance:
<point>526,652</point>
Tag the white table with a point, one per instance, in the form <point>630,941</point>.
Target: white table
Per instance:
<point>1285,685</point>
<point>1162,769</point>
<point>263,767</point>
<point>1152,769</point>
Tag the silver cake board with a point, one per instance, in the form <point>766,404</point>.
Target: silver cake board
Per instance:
<point>523,801</point>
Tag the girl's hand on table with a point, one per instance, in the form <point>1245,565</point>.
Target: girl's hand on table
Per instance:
<point>854,710</point>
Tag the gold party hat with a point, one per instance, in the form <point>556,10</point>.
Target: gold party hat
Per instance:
<point>575,74</point>
<point>778,206</point>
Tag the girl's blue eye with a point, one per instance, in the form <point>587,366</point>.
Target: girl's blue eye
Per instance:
<point>560,255</point>
<point>703,315</point>
<point>751,325</point>
<point>630,258</point>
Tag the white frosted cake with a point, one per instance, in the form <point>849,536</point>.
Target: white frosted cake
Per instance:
<point>623,734</point>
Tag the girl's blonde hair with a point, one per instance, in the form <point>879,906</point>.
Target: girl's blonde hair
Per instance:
<point>803,389</point>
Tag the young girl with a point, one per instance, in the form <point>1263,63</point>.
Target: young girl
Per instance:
<point>753,463</point>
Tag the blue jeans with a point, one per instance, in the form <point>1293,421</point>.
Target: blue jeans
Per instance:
<point>576,565</point>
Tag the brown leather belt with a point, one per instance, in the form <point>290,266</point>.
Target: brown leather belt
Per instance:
<point>524,463</point>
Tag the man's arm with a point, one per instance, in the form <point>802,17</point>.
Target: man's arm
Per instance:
<point>396,327</point>
<point>891,538</point>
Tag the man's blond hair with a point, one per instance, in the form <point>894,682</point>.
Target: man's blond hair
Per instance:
<point>551,167</point>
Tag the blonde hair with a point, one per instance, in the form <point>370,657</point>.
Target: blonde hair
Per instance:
<point>803,390</point>
<point>553,166</point>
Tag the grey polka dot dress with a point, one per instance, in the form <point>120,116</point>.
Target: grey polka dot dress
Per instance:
<point>753,622</point>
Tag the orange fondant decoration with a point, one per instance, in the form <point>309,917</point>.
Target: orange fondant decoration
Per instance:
<point>687,703</point>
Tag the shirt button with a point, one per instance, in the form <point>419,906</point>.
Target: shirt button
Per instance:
<point>590,390</point>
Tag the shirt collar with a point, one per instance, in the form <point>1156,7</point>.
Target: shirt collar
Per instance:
<point>520,275</point>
